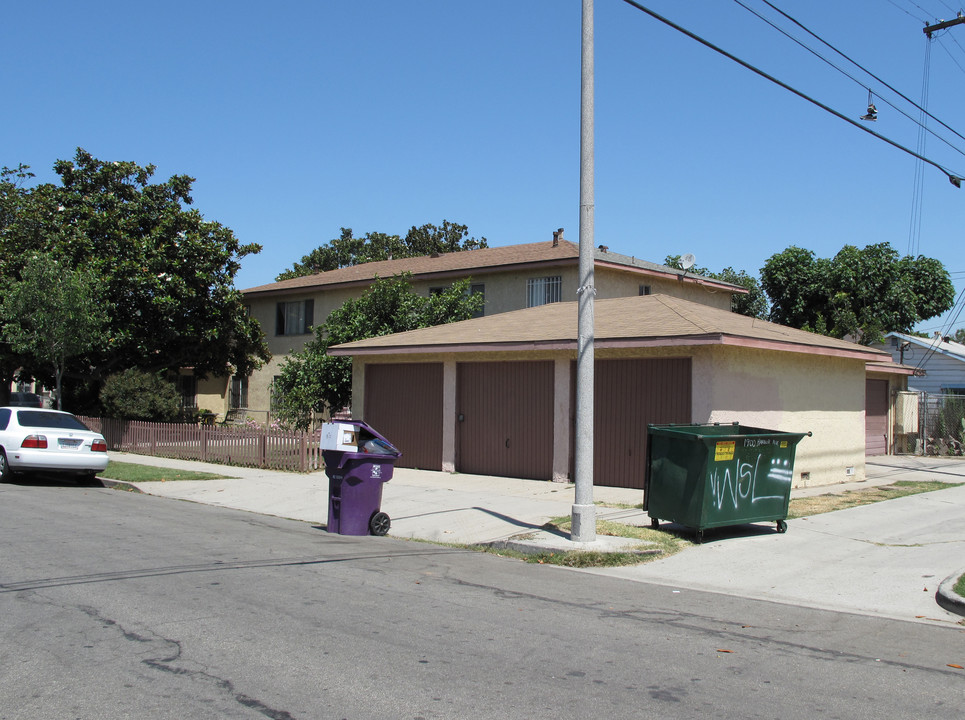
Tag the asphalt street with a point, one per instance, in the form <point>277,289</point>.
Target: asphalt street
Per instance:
<point>885,559</point>
<point>121,605</point>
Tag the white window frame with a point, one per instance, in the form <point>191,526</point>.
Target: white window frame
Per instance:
<point>544,290</point>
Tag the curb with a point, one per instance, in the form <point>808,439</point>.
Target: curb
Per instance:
<point>547,542</point>
<point>946,596</point>
<point>119,485</point>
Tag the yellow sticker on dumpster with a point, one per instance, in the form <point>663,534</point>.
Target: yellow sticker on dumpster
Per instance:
<point>783,443</point>
<point>724,451</point>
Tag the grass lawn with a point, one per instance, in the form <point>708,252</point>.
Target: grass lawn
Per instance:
<point>135,473</point>
<point>803,507</point>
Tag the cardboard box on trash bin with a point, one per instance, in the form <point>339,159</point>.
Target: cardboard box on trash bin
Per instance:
<point>340,436</point>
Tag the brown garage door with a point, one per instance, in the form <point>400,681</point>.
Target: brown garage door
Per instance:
<point>404,403</point>
<point>505,419</point>
<point>629,394</point>
<point>876,417</point>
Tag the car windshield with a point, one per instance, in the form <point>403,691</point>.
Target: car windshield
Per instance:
<point>40,419</point>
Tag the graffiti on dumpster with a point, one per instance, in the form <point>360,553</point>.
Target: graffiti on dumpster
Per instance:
<point>737,483</point>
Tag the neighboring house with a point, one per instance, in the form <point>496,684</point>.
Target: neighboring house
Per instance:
<point>496,395</point>
<point>510,278</point>
<point>939,363</point>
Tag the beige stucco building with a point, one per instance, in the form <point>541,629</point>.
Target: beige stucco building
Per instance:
<point>496,395</point>
<point>510,278</point>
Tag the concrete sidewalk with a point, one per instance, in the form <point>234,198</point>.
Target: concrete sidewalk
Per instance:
<point>884,559</point>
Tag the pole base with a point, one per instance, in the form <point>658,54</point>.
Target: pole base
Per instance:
<point>583,523</point>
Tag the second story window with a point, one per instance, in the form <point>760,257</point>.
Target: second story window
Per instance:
<point>542,291</point>
<point>294,318</point>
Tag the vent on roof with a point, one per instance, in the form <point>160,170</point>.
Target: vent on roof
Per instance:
<point>557,236</point>
<point>604,248</point>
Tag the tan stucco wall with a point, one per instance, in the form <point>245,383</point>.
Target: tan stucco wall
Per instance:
<point>791,393</point>
<point>783,391</point>
<point>505,291</point>
<point>615,284</point>
<point>212,395</point>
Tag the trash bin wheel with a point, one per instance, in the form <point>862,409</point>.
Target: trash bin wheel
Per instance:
<point>699,537</point>
<point>379,524</point>
<point>781,526</point>
<point>654,523</point>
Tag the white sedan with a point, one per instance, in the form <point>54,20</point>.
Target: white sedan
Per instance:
<point>48,442</point>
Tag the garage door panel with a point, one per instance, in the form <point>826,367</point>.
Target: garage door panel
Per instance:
<point>629,394</point>
<point>505,419</point>
<point>404,403</point>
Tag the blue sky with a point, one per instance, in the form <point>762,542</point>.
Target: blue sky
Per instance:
<point>299,118</point>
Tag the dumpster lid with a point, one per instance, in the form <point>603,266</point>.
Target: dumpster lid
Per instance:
<point>702,431</point>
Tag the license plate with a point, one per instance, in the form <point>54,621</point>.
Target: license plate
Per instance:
<point>69,442</point>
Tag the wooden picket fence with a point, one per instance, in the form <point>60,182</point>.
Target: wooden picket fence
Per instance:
<point>250,446</point>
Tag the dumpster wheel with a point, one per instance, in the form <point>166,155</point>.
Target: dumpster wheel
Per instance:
<point>379,524</point>
<point>654,523</point>
<point>781,526</point>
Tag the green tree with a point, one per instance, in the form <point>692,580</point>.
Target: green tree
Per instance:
<point>312,381</point>
<point>138,395</point>
<point>52,315</point>
<point>860,293</point>
<point>959,336</point>
<point>753,304</point>
<point>349,250</point>
<point>166,272</point>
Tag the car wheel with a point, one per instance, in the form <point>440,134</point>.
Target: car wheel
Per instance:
<point>5,474</point>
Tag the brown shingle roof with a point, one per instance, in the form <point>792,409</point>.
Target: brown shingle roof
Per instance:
<point>476,261</point>
<point>640,321</point>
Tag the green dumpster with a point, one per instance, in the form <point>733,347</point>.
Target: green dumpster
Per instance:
<point>707,476</point>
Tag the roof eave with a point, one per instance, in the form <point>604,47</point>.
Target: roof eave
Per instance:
<point>670,275</point>
<point>611,343</point>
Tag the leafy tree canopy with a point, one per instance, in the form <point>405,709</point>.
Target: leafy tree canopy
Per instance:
<point>165,274</point>
<point>349,250</point>
<point>860,293</point>
<point>52,315</point>
<point>754,303</point>
<point>312,381</point>
<point>138,395</point>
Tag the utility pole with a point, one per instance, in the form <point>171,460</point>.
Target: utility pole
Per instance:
<point>929,29</point>
<point>584,511</point>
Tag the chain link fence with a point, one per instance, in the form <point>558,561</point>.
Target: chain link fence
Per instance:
<point>930,423</point>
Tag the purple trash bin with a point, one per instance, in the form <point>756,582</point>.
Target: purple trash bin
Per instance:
<point>355,482</point>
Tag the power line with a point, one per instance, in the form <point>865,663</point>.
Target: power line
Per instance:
<point>866,71</point>
<point>954,178</point>
<point>946,329</point>
<point>908,13</point>
<point>952,57</point>
<point>947,6</point>
<point>918,188</point>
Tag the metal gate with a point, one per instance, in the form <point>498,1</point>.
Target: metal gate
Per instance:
<point>941,428</point>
